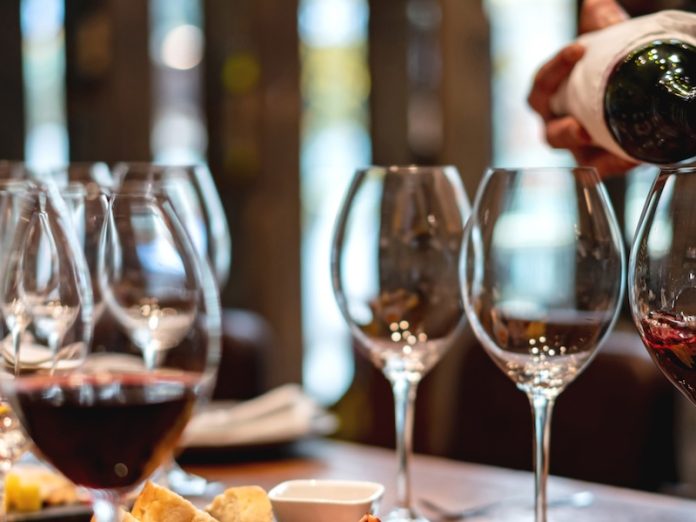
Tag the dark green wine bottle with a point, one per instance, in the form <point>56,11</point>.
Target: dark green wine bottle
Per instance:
<point>634,89</point>
<point>650,102</point>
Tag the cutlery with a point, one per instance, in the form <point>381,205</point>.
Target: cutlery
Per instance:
<point>579,500</point>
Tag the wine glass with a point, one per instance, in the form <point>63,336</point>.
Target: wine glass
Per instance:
<point>662,277</point>
<point>16,208</point>
<point>193,195</point>
<point>84,188</point>
<point>542,277</point>
<point>395,275</point>
<point>196,201</point>
<point>120,413</point>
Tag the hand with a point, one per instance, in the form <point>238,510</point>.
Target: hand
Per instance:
<point>566,132</point>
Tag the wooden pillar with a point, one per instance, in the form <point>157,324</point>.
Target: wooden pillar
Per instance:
<point>253,114</point>
<point>12,128</point>
<point>466,89</point>
<point>388,50</point>
<point>108,79</point>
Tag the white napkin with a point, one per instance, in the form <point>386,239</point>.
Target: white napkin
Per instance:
<point>35,356</point>
<point>282,414</point>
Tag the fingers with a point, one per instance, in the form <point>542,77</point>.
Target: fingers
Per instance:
<point>606,163</point>
<point>566,133</point>
<point>550,77</point>
<point>598,14</point>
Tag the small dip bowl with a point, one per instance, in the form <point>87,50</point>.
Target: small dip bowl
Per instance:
<point>325,500</point>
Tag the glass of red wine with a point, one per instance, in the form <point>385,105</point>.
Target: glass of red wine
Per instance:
<point>662,277</point>
<point>194,197</point>
<point>108,423</point>
<point>394,263</point>
<point>543,277</point>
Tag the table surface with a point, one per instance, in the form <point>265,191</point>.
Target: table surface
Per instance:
<point>452,484</point>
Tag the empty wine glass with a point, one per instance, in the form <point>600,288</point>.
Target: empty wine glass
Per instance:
<point>543,276</point>
<point>196,201</point>
<point>662,277</point>
<point>16,209</point>
<point>84,187</point>
<point>395,274</point>
<point>45,287</point>
<point>110,422</point>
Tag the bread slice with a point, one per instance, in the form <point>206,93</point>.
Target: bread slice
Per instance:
<point>127,517</point>
<point>242,504</point>
<point>158,504</point>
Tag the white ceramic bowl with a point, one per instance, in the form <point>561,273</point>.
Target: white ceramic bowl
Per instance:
<point>325,500</point>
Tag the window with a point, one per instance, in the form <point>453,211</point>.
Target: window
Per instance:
<point>335,141</point>
<point>43,53</point>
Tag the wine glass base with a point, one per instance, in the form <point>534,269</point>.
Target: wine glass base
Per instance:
<point>187,484</point>
<point>403,515</point>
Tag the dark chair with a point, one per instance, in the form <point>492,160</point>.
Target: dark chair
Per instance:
<point>247,339</point>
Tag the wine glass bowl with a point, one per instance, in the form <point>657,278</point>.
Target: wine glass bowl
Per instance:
<point>147,273</point>
<point>542,276</point>
<point>395,260</point>
<point>44,284</point>
<point>196,201</point>
<point>662,277</point>
<point>84,188</point>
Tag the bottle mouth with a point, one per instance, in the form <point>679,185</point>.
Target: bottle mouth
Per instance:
<point>683,166</point>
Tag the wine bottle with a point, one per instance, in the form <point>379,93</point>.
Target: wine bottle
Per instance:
<point>634,90</point>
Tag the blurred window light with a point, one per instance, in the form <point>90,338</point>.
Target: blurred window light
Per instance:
<point>178,138</point>
<point>518,48</point>
<point>333,23</point>
<point>178,133</point>
<point>47,145</point>
<point>182,47</point>
<point>43,63</point>
<point>638,184</point>
<point>42,19</point>
<point>335,142</point>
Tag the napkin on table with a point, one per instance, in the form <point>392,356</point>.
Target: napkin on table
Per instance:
<point>283,414</point>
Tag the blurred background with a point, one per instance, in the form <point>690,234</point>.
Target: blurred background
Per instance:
<point>284,99</point>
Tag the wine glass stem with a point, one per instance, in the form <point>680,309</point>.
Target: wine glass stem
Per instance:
<point>404,403</point>
<point>542,407</point>
<point>106,507</point>
<point>16,333</point>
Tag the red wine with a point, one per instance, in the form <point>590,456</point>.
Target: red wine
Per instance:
<point>671,342</point>
<point>650,102</point>
<point>104,433</point>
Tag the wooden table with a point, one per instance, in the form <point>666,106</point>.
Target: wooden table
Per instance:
<point>453,484</point>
